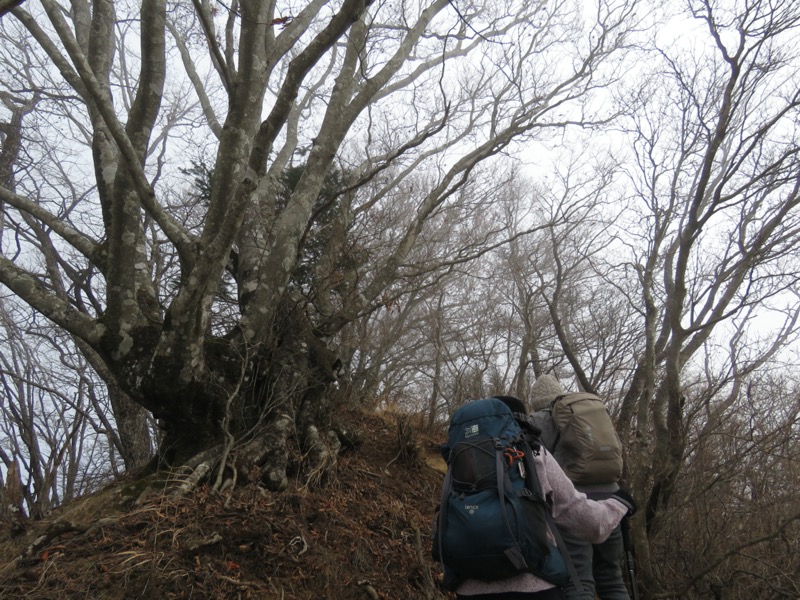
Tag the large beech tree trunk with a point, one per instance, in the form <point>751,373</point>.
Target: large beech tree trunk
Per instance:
<point>255,403</point>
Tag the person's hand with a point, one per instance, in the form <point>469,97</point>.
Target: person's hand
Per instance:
<point>625,498</point>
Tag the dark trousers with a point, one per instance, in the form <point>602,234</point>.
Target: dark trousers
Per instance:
<point>599,568</point>
<point>551,594</point>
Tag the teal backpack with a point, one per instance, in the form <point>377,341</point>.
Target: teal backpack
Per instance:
<point>493,517</point>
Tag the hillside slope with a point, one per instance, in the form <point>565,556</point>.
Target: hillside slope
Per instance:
<point>366,536</point>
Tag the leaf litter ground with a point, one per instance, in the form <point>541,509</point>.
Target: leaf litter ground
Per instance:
<point>364,536</point>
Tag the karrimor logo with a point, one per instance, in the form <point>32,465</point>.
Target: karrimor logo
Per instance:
<point>471,431</point>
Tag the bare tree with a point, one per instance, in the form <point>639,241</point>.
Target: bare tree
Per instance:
<point>57,435</point>
<point>716,183</point>
<point>233,337</point>
<point>571,323</point>
<point>732,528</point>
<point>129,418</point>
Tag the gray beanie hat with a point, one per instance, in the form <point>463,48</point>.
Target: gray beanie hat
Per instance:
<point>544,390</point>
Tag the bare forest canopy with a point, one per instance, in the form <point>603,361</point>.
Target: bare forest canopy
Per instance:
<point>222,224</point>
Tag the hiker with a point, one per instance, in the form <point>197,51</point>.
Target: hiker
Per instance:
<point>569,509</point>
<point>598,563</point>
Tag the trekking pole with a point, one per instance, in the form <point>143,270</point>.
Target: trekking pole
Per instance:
<point>626,542</point>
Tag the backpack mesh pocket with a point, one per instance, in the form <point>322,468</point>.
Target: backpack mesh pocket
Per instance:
<point>474,466</point>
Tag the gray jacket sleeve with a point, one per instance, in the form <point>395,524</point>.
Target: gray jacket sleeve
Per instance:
<point>543,419</point>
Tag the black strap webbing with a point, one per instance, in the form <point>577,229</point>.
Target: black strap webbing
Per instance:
<point>443,512</point>
<point>513,554</point>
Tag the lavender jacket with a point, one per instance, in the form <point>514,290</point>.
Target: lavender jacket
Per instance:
<point>590,520</point>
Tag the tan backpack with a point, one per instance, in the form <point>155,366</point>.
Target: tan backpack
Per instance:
<point>587,447</point>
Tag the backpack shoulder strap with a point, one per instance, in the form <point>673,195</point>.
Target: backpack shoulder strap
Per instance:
<point>551,408</point>
<point>514,554</point>
<point>446,486</point>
